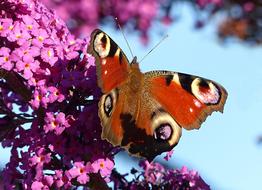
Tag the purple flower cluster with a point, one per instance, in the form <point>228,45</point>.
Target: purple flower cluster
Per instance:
<point>48,76</point>
<point>241,19</point>
<point>204,3</point>
<point>84,15</point>
<point>48,107</point>
<point>155,176</point>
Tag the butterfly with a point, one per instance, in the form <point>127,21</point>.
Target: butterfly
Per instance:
<point>145,112</point>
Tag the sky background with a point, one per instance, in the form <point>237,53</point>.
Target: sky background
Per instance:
<point>225,149</point>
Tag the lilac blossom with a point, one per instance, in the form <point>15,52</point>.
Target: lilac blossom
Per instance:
<point>169,155</point>
<point>81,171</point>
<point>155,176</point>
<point>86,15</point>
<point>5,59</point>
<point>55,139</point>
<point>56,123</point>
<point>104,167</point>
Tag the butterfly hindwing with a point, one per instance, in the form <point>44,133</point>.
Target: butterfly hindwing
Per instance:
<point>152,131</point>
<point>137,123</point>
<point>112,64</point>
<point>189,99</point>
<point>111,105</point>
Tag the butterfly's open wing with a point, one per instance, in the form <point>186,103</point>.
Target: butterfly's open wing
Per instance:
<point>112,64</point>
<point>152,130</point>
<point>167,102</point>
<point>139,124</point>
<point>189,99</point>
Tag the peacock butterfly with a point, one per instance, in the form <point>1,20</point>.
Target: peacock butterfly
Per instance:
<point>145,112</point>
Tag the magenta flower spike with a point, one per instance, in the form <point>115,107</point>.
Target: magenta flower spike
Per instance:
<point>55,137</point>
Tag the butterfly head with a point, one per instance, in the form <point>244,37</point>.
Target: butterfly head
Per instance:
<point>134,61</point>
<point>134,66</point>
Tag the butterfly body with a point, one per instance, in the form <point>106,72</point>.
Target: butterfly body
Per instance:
<point>145,112</point>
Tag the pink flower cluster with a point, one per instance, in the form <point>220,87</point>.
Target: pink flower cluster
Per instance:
<point>241,18</point>
<point>205,3</point>
<point>48,107</point>
<point>155,176</point>
<point>50,139</point>
<point>82,16</point>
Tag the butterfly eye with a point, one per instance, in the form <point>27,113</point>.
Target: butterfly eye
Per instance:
<point>163,132</point>
<point>108,105</point>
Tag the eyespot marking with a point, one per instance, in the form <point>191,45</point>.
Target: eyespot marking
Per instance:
<point>108,105</point>
<point>102,45</point>
<point>107,102</point>
<point>163,132</point>
<point>205,91</point>
<point>160,123</point>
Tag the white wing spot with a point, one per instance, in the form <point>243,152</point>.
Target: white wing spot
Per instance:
<point>105,72</point>
<point>176,78</point>
<point>191,110</point>
<point>197,103</point>
<point>103,61</point>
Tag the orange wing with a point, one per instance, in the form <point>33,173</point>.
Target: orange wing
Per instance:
<point>112,64</point>
<point>189,99</point>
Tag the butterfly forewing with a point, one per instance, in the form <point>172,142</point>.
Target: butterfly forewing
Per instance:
<point>189,99</point>
<point>112,64</point>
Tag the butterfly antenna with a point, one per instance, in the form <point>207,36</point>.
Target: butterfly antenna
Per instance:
<point>124,37</point>
<point>154,47</point>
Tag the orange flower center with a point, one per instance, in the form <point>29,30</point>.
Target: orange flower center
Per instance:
<point>27,65</point>
<point>29,27</point>
<point>102,165</point>
<point>6,59</point>
<point>54,124</point>
<point>41,158</point>
<point>39,97</point>
<point>49,53</point>
<point>40,38</point>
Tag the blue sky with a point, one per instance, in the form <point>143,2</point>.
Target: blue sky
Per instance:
<point>224,150</point>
